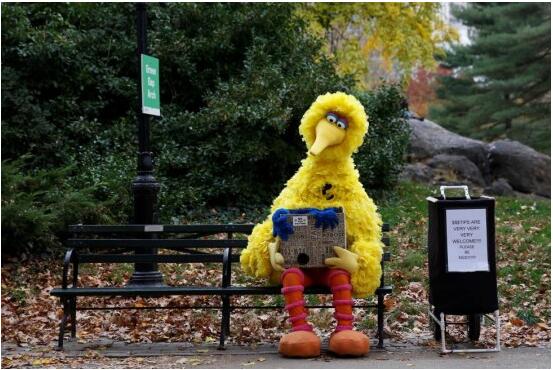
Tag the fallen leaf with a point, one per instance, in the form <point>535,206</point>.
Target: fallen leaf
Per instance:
<point>402,317</point>
<point>195,362</point>
<point>43,361</point>
<point>389,303</point>
<point>516,321</point>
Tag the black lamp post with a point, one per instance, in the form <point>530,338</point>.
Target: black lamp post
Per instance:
<point>144,186</point>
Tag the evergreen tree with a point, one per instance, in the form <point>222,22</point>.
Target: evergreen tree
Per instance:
<point>500,86</point>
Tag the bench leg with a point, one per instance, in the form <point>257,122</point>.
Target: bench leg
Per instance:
<point>65,303</point>
<point>380,316</point>
<point>74,317</point>
<point>227,317</point>
<point>225,322</point>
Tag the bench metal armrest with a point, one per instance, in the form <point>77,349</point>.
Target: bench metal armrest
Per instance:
<point>70,256</point>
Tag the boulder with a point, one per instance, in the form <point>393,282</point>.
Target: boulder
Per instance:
<point>418,172</point>
<point>499,187</point>
<point>525,169</point>
<point>456,168</point>
<point>429,139</point>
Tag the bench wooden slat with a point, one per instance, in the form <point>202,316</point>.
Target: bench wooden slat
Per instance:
<point>140,228</point>
<point>145,258</point>
<point>156,243</point>
<point>167,258</point>
<point>188,290</point>
<point>165,243</point>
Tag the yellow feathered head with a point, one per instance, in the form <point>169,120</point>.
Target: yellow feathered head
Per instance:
<point>334,126</point>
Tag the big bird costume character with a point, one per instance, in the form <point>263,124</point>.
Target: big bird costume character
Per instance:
<point>333,128</point>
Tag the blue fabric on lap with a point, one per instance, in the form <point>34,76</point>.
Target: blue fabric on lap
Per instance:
<point>324,218</point>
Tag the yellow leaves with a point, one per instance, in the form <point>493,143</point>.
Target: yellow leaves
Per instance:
<point>43,361</point>
<point>399,36</point>
<point>253,362</point>
<point>194,361</point>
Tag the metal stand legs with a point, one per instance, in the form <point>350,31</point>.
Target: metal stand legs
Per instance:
<point>442,323</point>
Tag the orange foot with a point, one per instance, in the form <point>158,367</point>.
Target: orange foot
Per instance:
<point>349,343</point>
<point>300,344</point>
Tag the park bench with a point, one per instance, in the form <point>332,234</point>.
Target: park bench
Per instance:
<point>118,243</point>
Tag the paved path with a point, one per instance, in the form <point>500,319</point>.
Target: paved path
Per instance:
<point>106,354</point>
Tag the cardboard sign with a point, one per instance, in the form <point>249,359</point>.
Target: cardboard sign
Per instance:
<point>309,246</point>
<point>467,241</point>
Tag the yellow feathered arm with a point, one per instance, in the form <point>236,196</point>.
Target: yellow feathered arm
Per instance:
<point>367,278</point>
<point>255,259</point>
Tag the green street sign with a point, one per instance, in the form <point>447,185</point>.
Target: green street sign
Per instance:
<point>150,84</point>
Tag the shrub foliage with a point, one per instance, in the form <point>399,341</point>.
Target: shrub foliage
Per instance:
<point>381,158</point>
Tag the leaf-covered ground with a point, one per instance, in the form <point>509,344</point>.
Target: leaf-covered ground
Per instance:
<point>30,316</point>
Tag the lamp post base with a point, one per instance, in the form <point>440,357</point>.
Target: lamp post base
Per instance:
<point>146,278</point>
<point>145,189</point>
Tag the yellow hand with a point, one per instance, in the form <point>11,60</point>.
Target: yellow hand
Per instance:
<point>346,260</point>
<point>277,260</point>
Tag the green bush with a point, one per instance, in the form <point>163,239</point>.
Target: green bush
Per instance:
<point>38,205</point>
<point>68,72</point>
<point>382,156</point>
<point>242,145</point>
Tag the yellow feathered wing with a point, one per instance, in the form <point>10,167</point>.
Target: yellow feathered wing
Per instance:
<point>255,258</point>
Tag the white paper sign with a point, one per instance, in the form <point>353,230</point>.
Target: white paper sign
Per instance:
<point>299,220</point>
<point>467,240</point>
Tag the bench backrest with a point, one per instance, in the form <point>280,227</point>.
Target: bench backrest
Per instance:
<point>111,243</point>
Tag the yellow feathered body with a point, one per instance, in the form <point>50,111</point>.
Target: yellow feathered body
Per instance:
<point>304,190</point>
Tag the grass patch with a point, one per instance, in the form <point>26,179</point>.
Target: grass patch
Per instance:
<point>528,316</point>
<point>313,300</point>
<point>120,273</point>
<point>413,259</point>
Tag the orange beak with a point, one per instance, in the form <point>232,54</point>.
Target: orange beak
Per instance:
<point>327,135</point>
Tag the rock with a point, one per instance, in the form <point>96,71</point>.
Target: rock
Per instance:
<point>418,172</point>
<point>499,187</point>
<point>504,167</point>
<point>456,168</point>
<point>525,169</point>
<point>429,139</point>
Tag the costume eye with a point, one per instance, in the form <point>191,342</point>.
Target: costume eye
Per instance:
<point>342,124</point>
<point>331,118</point>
